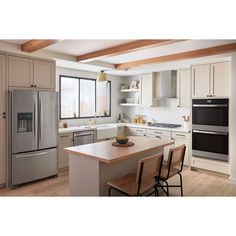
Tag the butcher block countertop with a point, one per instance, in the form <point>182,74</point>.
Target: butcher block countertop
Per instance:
<point>106,153</point>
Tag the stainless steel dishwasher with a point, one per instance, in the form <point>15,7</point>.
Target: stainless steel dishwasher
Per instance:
<point>83,137</point>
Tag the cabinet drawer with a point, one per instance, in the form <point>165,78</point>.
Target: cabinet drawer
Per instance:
<point>179,135</point>
<point>156,132</point>
<point>138,132</point>
<point>68,136</point>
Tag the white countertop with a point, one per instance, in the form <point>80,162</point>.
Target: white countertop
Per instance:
<point>94,127</point>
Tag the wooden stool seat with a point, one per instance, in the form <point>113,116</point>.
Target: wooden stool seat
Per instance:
<point>141,182</point>
<point>127,184</point>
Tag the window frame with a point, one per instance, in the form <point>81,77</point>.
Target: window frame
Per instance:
<point>84,117</point>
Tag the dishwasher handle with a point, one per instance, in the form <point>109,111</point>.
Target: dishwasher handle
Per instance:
<point>82,134</point>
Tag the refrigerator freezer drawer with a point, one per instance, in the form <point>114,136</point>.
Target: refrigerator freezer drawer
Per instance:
<point>31,166</point>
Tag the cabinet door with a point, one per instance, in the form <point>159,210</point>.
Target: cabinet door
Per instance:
<point>201,81</point>
<point>44,74</point>
<point>65,140</point>
<point>20,72</point>
<point>121,131</point>
<point>3,123</point>
<point>162,138</point>
<point>183,88</point>
<point>220,79</point>
<point>178,142</point>
<point>146,90</point>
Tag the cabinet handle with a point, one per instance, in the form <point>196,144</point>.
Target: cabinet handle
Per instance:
<point>157,132</point>
<point>181,135</point>
<point>4,116</point>
<point>32,85</point>
<point>64,136</point>
<point>139,130</point>
<point>158,137</point>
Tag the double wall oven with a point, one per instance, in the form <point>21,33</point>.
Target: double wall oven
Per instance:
<point>210,137</point>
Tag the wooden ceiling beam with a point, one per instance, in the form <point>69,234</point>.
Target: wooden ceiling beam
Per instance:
<point>124,48</point>
<point>34,45</point>
<point>180,56</point>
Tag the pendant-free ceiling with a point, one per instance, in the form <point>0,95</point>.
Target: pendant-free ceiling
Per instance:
<point>101,76</point>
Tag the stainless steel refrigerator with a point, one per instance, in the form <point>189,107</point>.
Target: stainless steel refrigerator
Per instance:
<point>33,130</point>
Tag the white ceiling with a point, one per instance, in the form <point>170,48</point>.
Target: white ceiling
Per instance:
<point>79,47</point>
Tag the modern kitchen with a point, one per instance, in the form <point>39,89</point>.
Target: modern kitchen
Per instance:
<point>117,117</point>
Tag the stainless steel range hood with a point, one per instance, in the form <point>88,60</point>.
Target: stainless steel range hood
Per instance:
<point>165,84</point>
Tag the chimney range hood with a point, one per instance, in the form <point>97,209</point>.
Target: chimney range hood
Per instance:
<point>165,84</point>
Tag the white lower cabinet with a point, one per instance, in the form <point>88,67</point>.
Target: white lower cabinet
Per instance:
<point>65,140</point>
<point>180,139</point>
<point>161,135</point>
<point>121,131</point>
<point>212,165</point>
<point>131,131</point>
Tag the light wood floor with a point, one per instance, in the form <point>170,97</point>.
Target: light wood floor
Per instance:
<point>196,183</point>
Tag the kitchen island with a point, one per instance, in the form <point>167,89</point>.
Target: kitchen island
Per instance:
<point>91,166</point>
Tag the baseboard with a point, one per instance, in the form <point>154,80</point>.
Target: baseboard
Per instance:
<point>232,180</point>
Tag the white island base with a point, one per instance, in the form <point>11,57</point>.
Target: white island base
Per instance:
<point>89,177</point>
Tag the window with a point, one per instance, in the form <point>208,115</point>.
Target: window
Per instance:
<point>81,98</point>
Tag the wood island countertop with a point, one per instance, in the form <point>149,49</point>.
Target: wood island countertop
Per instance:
<point>106,153</point>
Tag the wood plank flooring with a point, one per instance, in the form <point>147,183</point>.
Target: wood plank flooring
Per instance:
<point>196,183</point>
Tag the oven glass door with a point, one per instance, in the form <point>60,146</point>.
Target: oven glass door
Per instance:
<point>208,141</point>
<point>210,115</point>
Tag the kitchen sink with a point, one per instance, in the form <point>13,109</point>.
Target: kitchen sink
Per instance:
<point>106,131</point>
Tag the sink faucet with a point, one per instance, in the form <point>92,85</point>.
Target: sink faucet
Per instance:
<point>95,117</point>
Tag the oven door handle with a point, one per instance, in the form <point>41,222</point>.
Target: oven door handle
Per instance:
<point>212,105</point>
<point>209,132</point>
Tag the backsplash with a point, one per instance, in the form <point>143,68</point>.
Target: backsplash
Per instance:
<point>166,112</point>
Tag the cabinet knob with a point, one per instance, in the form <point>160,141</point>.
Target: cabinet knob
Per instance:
<point>35,85</point>
<point>32,85</point>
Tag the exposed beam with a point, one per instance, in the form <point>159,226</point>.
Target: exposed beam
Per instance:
<point>180,56</point>
<point>124,48</point>
<point>34,45</point>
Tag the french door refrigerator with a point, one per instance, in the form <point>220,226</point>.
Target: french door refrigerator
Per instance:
<point>33,130</point>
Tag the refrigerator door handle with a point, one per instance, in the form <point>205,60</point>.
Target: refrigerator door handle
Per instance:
<point>35,120</point>
<point>30,155</point>
<point>40,120</point>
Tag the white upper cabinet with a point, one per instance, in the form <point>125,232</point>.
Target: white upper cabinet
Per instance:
<point>3,122</point>
<point>183,87</point>
<point>211,80</point>
<point>148,87</point>
<point>146,90</point>
<point>220,79</point>
<point>201,81</point>
<point>44,74</point>
<point>27,72</point>
<point>20,72</point>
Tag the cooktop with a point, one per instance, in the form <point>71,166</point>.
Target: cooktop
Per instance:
<point>164,125</point>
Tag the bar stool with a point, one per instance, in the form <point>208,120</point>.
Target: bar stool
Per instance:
<point>141,182</point>
<point>173,166</point>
